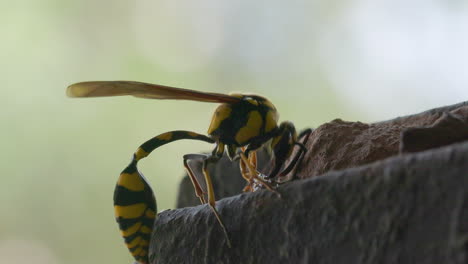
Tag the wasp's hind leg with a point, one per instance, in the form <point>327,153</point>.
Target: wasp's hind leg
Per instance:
<point>207,159</point>
<point>199,192</point>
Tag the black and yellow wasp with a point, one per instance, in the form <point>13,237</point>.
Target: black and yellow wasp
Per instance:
<point>240,125</point>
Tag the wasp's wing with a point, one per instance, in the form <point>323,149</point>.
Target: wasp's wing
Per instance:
<point>144,90</point>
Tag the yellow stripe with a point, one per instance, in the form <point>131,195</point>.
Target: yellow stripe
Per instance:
<point>150,213</point>
<point>251,128</point>
<point>252,101</point>
<point>140,153</point>
<point>220,149</point>
<point>271,120</point>
<point>192,134</point>
<point>222,112</point>
<point>269,105</point>
<point>275,141</point>
<point>166,136</point>
<point>145,230</point>
<point>144,243</point>
<point>209,184</point>
<point>134,242</point>
<point>132,181</point>
<point>238,95</point>
<point>131,230</point>
<point>137,251</point>
<point>129,211</point>
<point>143,253</point>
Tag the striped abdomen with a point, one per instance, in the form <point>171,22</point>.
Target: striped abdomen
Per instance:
<point>134,201</point>
<point>135,210</point>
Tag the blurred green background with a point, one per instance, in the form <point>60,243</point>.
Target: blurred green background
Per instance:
<point>316,60</point>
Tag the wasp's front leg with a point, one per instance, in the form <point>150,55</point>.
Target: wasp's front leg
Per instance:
<point>253,180</point>
<point>250,173</point>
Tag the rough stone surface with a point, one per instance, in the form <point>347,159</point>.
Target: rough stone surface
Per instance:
<point>339,145</point>
<point>389,192</point>
<point>407,209</point>
<point>449,128</point>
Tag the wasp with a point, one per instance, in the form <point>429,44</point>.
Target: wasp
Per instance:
<point>241,124</point>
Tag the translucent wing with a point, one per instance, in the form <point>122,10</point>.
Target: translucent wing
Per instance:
<point>144,90</point>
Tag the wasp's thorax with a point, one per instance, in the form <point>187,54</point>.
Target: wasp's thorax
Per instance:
<point>252,118</point>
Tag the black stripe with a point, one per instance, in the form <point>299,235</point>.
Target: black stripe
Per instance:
<point>155,142</point>
<point>137,234</point>
<point>134,248</point>
<point>124,196</point>
<point>125,223</point>
<point>131,168</point>
<point>148,222</point>
<point>144,259</point>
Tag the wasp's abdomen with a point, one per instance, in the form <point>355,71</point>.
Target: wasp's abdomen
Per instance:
<point>135,210</point>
